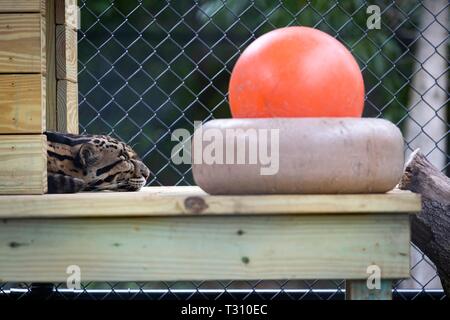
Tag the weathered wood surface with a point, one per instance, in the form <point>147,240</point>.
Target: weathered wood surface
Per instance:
<point>23,165</point>
<point>22,43</point>
<point>67,106</point>
<point>152,201</point>
<point>67,13</point>
<point>66,54</point>
<point>22,103</point>
<point>431,228</point>
<point>204,247</point>
<point>51,67</point>
<point>358,290</point>
<point>23,6</point>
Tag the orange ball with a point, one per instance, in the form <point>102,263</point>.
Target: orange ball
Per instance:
<point>296,72</point>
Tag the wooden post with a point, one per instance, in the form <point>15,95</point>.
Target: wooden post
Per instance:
<point>67,13</point>
<point>23,69</point>
<point>67,100</point>
<point>51,67</point>
<point>66,17</point>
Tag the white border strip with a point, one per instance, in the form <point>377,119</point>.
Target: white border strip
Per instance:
<point>14,290</point>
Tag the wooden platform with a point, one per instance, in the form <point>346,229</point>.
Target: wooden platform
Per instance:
<point>180,233</point>
<point>174,201</point>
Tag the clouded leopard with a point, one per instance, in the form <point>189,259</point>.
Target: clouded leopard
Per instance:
<point>92,163</point>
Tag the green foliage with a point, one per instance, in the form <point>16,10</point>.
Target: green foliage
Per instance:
<point>148,67</point>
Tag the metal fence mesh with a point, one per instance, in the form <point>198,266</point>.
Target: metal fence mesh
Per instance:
<point>147,67</point>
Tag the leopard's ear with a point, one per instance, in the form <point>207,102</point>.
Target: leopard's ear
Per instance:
<point>88,155</point>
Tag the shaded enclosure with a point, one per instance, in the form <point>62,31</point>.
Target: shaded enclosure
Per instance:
<point>149,67</point>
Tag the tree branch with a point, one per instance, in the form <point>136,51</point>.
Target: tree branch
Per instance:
<point>431,228</point>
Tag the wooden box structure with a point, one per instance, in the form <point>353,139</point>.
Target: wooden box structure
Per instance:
<point>166,233</point>
<point>38,87</point>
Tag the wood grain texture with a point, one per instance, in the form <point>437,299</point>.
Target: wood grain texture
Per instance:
<point>51,67</point>
<point>67,106</point>
<point>23,164</point>
<point>22,103</point>
<point>163,201</point>
<point>66,54</point>
<point>205,248</point>
<point>22,43</point>
<point>23,6</point>
<point>43,26</point>
<point>67,13</point>
<point>357,290</point>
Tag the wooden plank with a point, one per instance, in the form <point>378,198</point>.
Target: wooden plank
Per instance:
<point>22,103</point>
<point>22,43</point>
<point>204,248</point>
<point>23,164</point>
<point>51,67</point>
<point>358,290</point>
<point>67,106</point>
<point>163,201</point>
<point>43,44</point>
<point>66,54</point>
<point>67,13</point>
<point>15,6</point>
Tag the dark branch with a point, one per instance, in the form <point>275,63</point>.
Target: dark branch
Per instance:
<point>431,228</point>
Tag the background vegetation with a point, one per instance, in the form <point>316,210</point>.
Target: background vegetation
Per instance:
<point>148,67</point>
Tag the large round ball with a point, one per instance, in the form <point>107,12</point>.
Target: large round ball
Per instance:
<point>296,72</point>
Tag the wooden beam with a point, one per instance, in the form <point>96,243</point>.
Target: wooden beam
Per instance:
<point>66,18</point>
<point>66,54</point>
<point>23,164</point>
<point>157,201</point>
<point>22,103</point>
<point>204,247</point>
<point>67,13</point>
<point>15,6</point>
<point>67,106</point>
<point>51,67</point>
<point>22,43</point>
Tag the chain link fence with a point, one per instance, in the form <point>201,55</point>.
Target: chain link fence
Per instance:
<point>148,67</point>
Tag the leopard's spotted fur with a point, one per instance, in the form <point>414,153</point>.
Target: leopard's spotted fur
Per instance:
<point>92,163</point>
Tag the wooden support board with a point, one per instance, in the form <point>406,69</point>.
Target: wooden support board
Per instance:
<point>66,18</point>
<point>67,13</point>
<point>22,103</point>
<point>205,247</point>
<point>66,53</point>
<point>22,43</point>
<point>23,6</point>
<point>23,164</point>
<point>163,201</point>
<point>51,67</point>
<point>181,233</point>
<point>67,106</point>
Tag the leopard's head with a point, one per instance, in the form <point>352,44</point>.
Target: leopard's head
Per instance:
<point>110,164</point>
